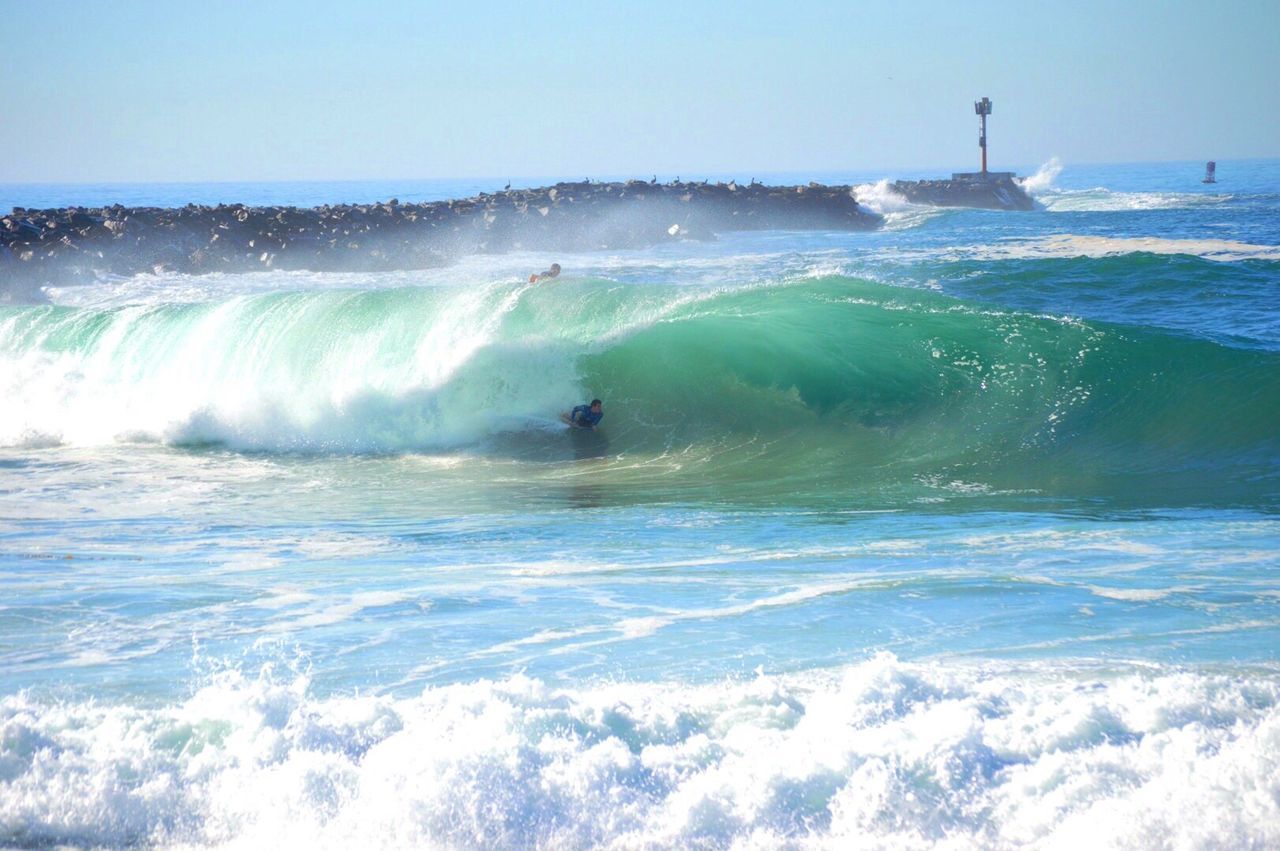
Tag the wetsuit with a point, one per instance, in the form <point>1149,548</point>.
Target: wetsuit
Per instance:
<point>582,415</point>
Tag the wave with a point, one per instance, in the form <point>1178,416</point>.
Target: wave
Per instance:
<point>358,371</point>
<point>898,212</point>
<point>1077,245</point>
<point>1101,199</point>
<point>832,376</point>
<point>881,753</point>
<point>1161,284</point>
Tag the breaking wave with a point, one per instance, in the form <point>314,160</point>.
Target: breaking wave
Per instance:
<point>867,377</point>
<point>1044,177</point>
<point>1100,199</point>
<point>898,212</point>
<point>882,753</point>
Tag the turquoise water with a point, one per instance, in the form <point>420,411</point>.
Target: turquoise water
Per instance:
<point>958,534</point>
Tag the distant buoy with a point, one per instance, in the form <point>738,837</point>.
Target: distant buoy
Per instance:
<point>1210,172</point>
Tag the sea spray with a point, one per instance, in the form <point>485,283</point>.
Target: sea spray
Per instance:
<point>1044,177</point>
<point>899,213</point>
<point>880,752</point>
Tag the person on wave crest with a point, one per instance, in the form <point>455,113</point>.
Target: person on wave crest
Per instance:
<point>585,416</point>
<point>550,273</point>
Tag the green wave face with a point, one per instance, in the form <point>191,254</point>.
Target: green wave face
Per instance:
<point>833,388</point>
<point>842,382</point>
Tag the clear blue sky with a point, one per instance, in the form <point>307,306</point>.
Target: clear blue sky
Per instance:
<point>165,90</point>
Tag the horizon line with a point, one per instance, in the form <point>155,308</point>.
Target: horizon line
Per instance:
<point>607,178</point>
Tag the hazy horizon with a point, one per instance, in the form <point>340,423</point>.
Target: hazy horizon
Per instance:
<point>149,93</point>
<point>689,175</point>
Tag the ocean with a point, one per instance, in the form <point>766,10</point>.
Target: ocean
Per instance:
<point>963,533</point>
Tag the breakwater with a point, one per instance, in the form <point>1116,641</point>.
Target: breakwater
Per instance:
<point>992,191</point>
<point>72,244</point>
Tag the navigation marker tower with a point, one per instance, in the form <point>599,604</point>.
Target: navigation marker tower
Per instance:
<point>982,109</point>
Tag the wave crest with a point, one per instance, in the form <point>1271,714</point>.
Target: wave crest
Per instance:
<point>830,378</point>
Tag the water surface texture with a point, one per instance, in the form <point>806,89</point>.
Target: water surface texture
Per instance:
<point>963,533</point>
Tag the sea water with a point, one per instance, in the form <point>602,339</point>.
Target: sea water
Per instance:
<point>958,534</point>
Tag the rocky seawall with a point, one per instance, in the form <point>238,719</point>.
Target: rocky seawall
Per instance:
<point>995,192</point>
<point>67,245</point>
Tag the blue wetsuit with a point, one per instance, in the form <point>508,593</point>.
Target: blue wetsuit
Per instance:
<point>582,415</point>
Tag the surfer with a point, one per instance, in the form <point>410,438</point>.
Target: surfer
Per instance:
<point>585,416</point>
<point>550,273</point>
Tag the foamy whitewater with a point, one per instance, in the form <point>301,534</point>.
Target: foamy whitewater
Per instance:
<point>959,534</point>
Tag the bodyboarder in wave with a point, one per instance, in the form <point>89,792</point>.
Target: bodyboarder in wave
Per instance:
<point>547,275</point>
<point>585,416</point>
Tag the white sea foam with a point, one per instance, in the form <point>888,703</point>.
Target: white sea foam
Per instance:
<point>881,754</point>
<point>1102,200</point>
<point>1075,245</point>
<point>333,613</point>
<point>898,212</point>
<point>1041,186</point>
<point>281,598</point>
<point>1137,595</point>
<point>282,373</point>
<point>410,368</point>
<point>1044,177</point>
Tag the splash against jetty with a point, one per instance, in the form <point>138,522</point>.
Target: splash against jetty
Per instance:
<point>992,190</point>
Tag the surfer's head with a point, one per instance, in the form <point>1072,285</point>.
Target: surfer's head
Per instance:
<point>596,405</point>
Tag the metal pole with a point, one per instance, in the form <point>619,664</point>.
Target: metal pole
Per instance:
<point>983,109</point>
<point>982,141</point>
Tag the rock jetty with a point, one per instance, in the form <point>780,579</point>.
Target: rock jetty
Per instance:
<point>78,244</point>
<point>992,191</point>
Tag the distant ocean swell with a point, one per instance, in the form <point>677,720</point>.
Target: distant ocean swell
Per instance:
<point>879,754</point>
<point>876,376</point>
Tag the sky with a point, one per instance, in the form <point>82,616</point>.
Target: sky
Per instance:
<point>143,90</point>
